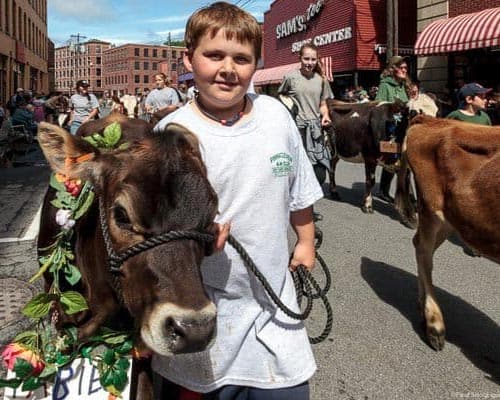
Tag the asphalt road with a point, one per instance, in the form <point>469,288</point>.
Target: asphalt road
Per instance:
<point>376,349</point>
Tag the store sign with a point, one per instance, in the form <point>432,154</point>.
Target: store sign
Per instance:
<point>325,38</point>
<point>299,22</point>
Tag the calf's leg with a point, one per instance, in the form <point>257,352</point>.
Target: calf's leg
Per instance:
<point>333,186</point>
<point>431,232</point>
<point>367,206</point>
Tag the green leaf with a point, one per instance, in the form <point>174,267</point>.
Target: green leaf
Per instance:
<point>123,363</point>
<point>112,134</point>
<point>86,352</point>
<point>62,359</point>
<point>39,305</point>
<point>31,383</point>
<point>72,274</point>
<point>48,371</point>
<point>73,302</point>
<point>125,348</point>
<point>108,357</point>
<point>123,146</point>
<point>57,203</point>
<point>119,378</point>
<point>91,140</point>
<point>85,206</point>
<point>27,338</point>
<point>11,383</point>
<point>22,368</point>
<point>72,334</point>
<point>56,184</point>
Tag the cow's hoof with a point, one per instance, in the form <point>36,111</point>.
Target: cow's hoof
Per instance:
<point>436,339</point>
<point>412,224</point>
<point>367,209</point>
<point>334,196</point>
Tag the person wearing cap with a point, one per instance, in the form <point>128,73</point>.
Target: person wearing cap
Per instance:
<point>84,106</point>
<point>394,85</point>
<point>473,102</point>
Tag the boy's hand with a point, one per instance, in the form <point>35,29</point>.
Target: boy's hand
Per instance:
<point>303,254</point>
<point>221,235</point>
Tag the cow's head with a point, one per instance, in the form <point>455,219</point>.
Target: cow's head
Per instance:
<point>157,185</point>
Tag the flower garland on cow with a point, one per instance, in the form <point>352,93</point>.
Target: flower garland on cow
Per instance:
<point>36,356</point>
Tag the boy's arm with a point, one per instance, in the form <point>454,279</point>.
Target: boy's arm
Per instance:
<point>304,252</point>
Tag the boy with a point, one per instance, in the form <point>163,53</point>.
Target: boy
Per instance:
<point>264,181</point>
<point>473,102</point>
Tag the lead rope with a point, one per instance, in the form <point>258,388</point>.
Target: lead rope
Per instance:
<point>303,281</point>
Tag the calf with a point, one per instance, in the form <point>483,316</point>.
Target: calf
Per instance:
<point>358,130</point>
<point>156,185</point>
<point>457,174</point>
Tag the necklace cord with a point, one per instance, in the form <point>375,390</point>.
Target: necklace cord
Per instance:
<point>223,121</point>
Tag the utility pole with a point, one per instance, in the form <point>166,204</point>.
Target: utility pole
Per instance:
<point>76,48</point>
<point>169,40</point>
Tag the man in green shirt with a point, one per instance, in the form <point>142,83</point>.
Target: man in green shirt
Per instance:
<point>473,101</point>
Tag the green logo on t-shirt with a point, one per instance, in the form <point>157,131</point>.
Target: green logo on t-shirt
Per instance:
<point>281,164</point>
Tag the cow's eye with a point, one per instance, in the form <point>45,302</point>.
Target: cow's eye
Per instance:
<point>121,217</point>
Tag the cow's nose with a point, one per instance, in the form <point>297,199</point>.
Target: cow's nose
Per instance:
<point>189,335</point>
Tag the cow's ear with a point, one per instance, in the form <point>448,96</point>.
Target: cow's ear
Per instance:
<point>190,137</point>
<point>67,154</point>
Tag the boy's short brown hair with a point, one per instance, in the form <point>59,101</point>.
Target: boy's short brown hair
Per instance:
<point>222,15</point>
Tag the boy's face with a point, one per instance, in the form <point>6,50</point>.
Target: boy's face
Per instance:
<point>222,69</point>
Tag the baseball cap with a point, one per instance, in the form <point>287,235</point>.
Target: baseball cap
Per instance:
<point>472,89</point>
<point>82,83</point>
<point>396,60</point>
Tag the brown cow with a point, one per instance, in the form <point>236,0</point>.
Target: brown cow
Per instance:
<point>457,174</point>
<point>358,129</point>
<point>157,185</point>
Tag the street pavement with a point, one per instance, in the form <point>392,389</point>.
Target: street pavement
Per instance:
<point>376,349</point>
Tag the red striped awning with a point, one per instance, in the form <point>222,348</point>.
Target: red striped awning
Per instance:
<point>461,33</point>
<point>275,75</point>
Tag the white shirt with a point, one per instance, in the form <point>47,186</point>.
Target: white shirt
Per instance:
<point>260,172</point>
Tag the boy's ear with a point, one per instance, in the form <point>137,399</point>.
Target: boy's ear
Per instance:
<point>186,58</point>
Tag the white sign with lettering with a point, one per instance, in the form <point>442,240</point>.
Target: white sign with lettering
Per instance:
<point>80,380</point>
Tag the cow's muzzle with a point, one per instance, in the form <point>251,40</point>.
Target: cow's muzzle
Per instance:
<point>172,330</point>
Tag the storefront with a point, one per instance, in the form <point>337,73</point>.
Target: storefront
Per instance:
<point>349,36</point>
<point>471,43</point>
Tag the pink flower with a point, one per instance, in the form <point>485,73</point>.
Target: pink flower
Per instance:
<point>14,351</point>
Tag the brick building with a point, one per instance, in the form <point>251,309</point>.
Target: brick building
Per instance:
<point>458,41</point>
<point>130,68</point>
<point>351,37</point>
<point>80,61</point>
<point>23,46</point>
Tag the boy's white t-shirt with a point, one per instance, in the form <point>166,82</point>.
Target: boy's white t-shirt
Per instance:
<point>260,172</point>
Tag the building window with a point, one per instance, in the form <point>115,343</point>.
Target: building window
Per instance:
<point>164,53</point>
<point>154,66</point>
<point>137,79</point>
<point>98,83</point>
<point>174,53</point>
<point>146,52</point>
<point>174,67</point>
<point>146,65</point>
<point>155,53</point>
<point>98,71</point>
<point>136,52</point>
<point>137,65</point>
<point>98,60</point>
<point>146,78</point>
